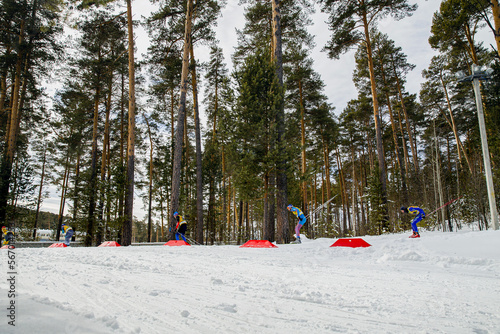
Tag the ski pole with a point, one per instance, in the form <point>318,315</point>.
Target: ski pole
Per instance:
<point>442,206</point>
<point>193,241</point>
<point>321,206</point>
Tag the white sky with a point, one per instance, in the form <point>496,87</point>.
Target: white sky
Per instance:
<point>411,34</point>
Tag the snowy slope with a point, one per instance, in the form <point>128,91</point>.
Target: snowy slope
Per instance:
<point>441,283</point>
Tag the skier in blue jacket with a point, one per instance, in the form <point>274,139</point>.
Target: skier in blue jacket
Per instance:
<point>68,231</point>
<point>414,210</point>
<point>302,220</point>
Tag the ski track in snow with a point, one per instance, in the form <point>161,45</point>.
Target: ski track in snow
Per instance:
<point>441,283</point>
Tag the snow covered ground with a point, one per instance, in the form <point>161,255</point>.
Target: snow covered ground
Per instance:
<point>441,283</point>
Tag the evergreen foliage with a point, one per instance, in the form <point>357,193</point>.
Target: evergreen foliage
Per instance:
<point>389,147</point>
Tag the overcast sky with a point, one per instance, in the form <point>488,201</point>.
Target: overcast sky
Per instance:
<point>411,34</point>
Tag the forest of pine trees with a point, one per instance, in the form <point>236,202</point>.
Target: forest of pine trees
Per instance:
<point>118,130</point>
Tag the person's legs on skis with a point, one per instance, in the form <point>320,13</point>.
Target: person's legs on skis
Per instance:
<point>415,228</point>
<point>297,233</point>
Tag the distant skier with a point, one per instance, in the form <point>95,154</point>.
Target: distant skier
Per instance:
<point>414,210</point>
<point>7,236</point>
<point>181,227</point>
<point>302,220</point>
<point>68,232</point>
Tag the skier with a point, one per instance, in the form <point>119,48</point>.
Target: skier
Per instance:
<point>414,210</point>
<point>181,227</point>
<point>68,231</point>
<point>7,236</point>
<point>302,220</point>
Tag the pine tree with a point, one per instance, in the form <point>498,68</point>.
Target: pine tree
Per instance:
<point>350,23</point>
<point>28,34</point>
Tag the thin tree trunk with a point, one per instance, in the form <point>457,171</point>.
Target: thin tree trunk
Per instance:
<point>129,193</point>
<point>11,139</point>
<point>247,221</point>
<point>326,159</point>
<point>345,199</point>
<point>354,196</point>
<point>438,175</point>
<point>63,197</point>
<point>199,176</point>
<point>240,222</point>
<point>407,121</point>
<point>402,167</point>
<point>405,148</point>
<point>108,198</point>
<point>89,238</point>
<point>282,213</point>
<point>162,216</point>
<point>176,173</point>
<point>303,150</point>
<point>77,183</point>
<point>454,127</point>
<point>150,192</point>
<point>266,226</point>
<point>121,189</point>
<point>40,192</point>
<point>376,116</point>
<point>104,160</point>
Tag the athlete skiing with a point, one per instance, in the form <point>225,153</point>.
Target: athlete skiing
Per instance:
<point>302,220</point>
<point>414,210</point>
<point>181,227</point>
<point>68,232</point>
<point>7,236</point>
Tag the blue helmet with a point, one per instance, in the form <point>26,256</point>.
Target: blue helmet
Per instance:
<point>289,206</point>
<point>176,214</point>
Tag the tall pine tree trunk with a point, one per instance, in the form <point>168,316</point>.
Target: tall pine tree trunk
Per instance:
<point>303,150</point>
<point>129,192</point>
<point>454,127</point>
<point>402,168</point>
<point>89,238</point>
<point>378,125</point>
<point>438,179</point>
<point>76,191</point>
<point>104,160</point>
<point>199,176</point>
<point>407,122</point>
<point>176,173</point>
<point>150,190</point>
<point>282,213</point>
<point>62,203</point>
<point>40,191</point>
<point>326,158</point>
<point>121,187</point>
<point>12,130</point>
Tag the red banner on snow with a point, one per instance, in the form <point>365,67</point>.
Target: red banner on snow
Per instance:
<point>58,245</point>
<point>350,242</point>
<point>258,244</point>
<point>176,243</point>
<point>109,244</point>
